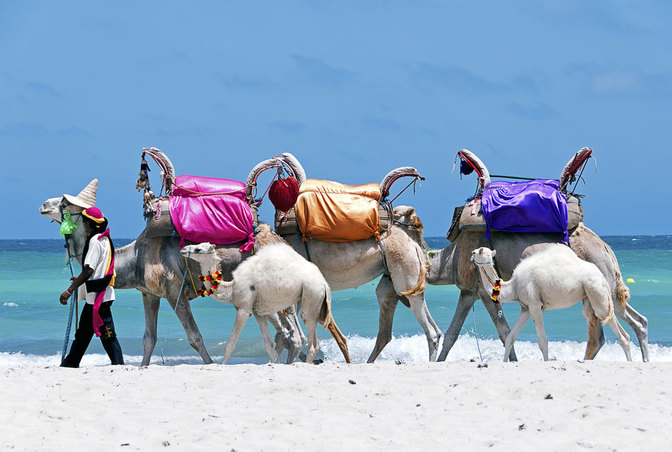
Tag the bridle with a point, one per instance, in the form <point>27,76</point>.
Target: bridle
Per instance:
<point>69,243</point>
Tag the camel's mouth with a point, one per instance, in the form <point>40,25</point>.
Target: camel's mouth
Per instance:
<point>50,210</point>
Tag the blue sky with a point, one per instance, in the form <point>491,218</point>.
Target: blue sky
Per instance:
<point>352,88</point>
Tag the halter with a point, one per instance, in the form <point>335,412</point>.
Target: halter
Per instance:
<point>70,245</point>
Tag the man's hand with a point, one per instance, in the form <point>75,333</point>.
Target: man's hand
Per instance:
<point>64,296</point>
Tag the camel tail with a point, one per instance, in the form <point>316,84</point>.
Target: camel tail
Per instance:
<point>421,285</point>
<point>622,292</point>
<point>325,312</point>
<point>329,323</point>
<point>610,314</point>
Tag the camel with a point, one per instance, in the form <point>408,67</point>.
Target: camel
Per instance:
<point>155,267</point>
<point>396,257</point>
<point>451,266</point>
<point>272,280</point>
<point>554,278</point>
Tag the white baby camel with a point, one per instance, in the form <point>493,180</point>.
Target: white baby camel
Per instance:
<point>272,280</point>
<point>553,278</point>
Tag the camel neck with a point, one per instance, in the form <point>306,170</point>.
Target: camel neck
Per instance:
<point>489,276</point>
<point>442,269</point>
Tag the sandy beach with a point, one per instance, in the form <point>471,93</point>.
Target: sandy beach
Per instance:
<point>496,406</point>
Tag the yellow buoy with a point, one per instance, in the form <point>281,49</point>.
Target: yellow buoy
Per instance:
<point>630,281</point>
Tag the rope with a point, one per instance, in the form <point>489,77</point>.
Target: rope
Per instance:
<point>179,295</point>
<point>473,311</point>
<point>191,277</point>
<point>405,188</point>
<point>73,303</point>
<point>269,186</point>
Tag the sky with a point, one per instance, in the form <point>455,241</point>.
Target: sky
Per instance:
<point>353,89</point>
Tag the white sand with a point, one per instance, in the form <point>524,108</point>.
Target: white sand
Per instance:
<point>599,405</point>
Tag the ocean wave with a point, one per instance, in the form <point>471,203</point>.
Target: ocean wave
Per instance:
<point>402,349</point>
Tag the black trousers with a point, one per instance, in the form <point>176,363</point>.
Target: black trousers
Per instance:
<point>85,333</point>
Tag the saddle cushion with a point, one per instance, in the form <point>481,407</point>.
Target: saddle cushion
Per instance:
<point>530,206</point>
<point>207,209</point>
<point>335,212</point>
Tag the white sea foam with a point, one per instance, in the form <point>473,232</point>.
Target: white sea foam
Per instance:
<point>10,304</point>
<point>404,349</point>
<point>409,349</point>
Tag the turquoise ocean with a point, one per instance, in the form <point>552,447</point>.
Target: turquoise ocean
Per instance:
<point>32,322</point>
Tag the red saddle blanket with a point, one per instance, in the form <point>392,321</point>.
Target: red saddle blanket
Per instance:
<point>336,212</point>
<point>207,209</point>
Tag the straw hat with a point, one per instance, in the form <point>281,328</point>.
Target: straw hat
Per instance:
<point>87,197</point>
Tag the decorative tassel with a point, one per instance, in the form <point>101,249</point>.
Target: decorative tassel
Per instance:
<point>283,193</point>
<point>465,168</point>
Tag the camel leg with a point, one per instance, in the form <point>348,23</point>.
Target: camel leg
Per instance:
<point>298,337</point>
<point>387,301</point>
<point>289,334</point>
<point>266,335</point>
<point>638,323</point>
<point>622,336</point>
<point>183,312</point>
<point>239,323</point>
<point>432,332</point>
<point>538,320</point>
<point>282,334</point>
<point>523,317</point>
<point>311,327</point>
<point>464,304</point>
<point>595,333</point>
<point>340,339</point>
<point>151,304</point>
<point>500,323</point>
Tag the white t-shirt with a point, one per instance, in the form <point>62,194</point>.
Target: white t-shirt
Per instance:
<point>98,257</point>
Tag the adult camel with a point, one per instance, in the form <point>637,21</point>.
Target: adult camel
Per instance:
<point>155,267</point>
<point>452,266</point>
<point>397,257</point>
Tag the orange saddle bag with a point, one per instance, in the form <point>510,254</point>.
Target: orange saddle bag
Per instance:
<point>335,212</point>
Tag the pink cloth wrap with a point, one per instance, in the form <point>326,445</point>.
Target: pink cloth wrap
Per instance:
<point>97,320</point>
<point>207,209</point>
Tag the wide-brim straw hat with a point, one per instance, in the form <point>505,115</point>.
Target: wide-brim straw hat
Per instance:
<point>86,198</point>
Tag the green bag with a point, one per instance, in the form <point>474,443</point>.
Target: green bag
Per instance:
<point>67,225</point>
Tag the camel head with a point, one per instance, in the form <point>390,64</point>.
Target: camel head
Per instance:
<point>264,235</point>
<point>203,253</point>
<point>56,208</point>
<point>406,218</point>
<point>483,256</point>
<point>51,208</point>
<point>197,249</point>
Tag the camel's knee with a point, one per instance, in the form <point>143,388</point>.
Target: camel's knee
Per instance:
<point>149,339</point>
<point>196,341</point>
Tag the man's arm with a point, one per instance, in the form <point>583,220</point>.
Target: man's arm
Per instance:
<point>86,273</point>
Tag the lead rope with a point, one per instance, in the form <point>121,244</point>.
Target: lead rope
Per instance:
<point>73,304</point>
<point>473,311</point>
<point>179,295</point>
